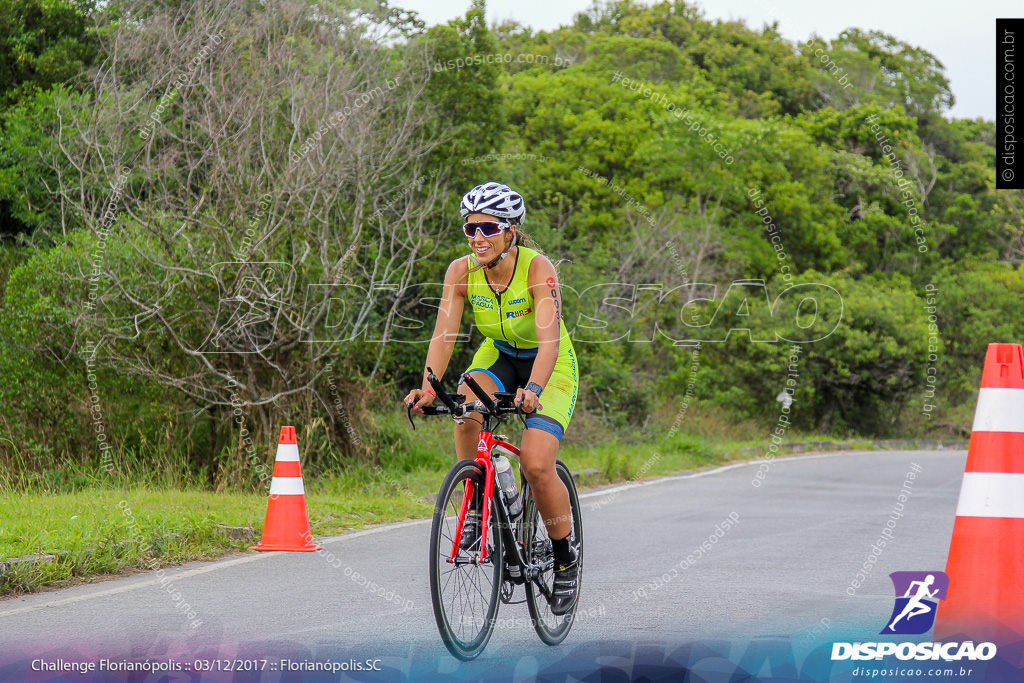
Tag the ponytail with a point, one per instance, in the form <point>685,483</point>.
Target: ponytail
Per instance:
<point>524,240</point>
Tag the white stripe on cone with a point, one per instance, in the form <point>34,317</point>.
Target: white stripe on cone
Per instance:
<point>999,410</point>
<point>991,494</point>
<point>287,486</point>
<point>288,452</point>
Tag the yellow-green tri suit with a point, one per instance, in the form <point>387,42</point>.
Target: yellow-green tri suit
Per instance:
<point>507,354</point>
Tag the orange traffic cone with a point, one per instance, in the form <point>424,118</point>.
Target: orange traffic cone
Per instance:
<point>287,524</point>
<point>985,600</point>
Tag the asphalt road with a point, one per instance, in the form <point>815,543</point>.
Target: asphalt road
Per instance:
<point>781,569</point>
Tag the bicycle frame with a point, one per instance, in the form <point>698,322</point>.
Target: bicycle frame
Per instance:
<point>483,458</point>
<point>487,443</point>
<point>484,446</point>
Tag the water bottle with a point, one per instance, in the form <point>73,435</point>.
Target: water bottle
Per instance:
<point>507,483</point>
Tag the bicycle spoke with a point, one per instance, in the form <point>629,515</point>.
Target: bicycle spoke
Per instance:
<point>465,593</point>
<point>551,628</point>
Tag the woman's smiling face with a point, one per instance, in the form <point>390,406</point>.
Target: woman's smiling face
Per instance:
<point>487,249</point>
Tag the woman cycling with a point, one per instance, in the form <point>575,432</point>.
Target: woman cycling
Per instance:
<point>513,291</point>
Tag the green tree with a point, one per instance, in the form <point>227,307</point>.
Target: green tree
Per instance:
<point>882,69</point>
<point>31,162</point>
<point>266,251</point>
<point>858,378</point>
<point>978,302</point>
<point>43,42</point>
<point>467,91</point>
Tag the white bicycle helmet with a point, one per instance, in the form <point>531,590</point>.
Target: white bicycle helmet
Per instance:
<point>494,199</point>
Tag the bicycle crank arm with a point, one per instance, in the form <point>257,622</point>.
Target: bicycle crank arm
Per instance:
<point>542,585</point>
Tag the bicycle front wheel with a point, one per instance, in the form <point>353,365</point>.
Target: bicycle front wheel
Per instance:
<point>465,592</point>
<point>551,628</point>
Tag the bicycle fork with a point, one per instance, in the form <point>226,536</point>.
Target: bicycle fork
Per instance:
<point>483,458</point>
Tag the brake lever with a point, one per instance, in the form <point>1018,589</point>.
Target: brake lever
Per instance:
<point>522,413</point>
<point>408,411</point>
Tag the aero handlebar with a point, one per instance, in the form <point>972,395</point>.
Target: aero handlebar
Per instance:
<point>453,403</point>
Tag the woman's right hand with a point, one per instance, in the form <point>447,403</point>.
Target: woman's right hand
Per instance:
<point>419,399</point>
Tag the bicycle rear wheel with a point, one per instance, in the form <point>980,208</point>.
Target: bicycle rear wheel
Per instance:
<point>464,593</point>
<point>551,628</point>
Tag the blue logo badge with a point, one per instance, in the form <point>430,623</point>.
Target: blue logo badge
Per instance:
<point>917,596</point>
<point>481,302</point>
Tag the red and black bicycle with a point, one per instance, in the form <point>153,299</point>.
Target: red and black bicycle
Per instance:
<point>469,576</point>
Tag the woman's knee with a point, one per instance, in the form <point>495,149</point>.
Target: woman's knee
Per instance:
<point>538,460</point>
<point>539,473</point>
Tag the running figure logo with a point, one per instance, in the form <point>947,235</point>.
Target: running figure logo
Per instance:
<point>917,595</point>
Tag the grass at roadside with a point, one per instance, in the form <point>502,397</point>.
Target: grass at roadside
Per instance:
<point>106,529</point>
<point>100,531</point>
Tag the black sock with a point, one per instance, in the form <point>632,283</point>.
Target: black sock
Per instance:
<point>560,548</point>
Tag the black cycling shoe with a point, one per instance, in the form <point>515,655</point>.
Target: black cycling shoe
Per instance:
<point>471,529</point>
<point>566,587</point>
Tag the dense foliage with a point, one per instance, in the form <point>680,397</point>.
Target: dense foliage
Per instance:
<point>219,217</point>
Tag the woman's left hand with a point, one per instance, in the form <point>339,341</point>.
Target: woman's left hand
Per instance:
<point>530,401</point>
